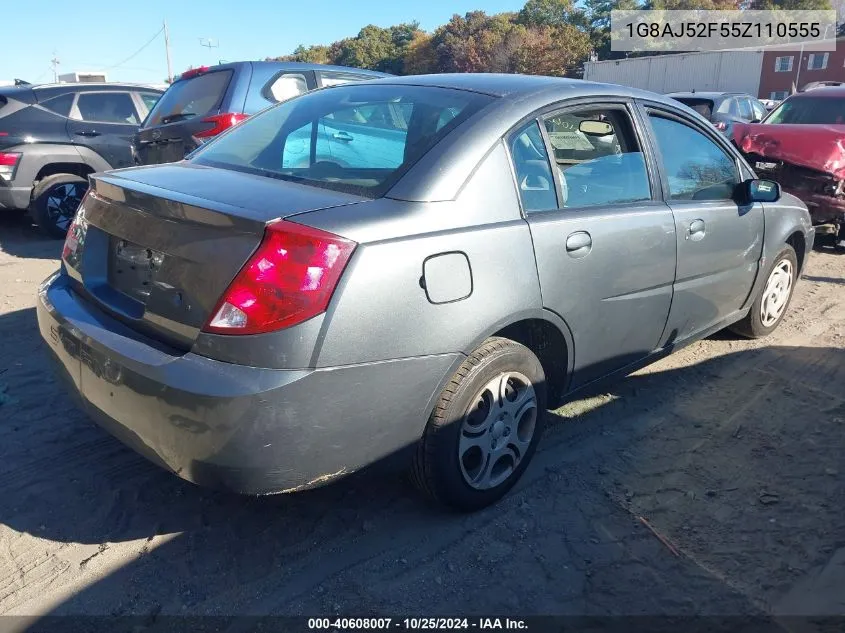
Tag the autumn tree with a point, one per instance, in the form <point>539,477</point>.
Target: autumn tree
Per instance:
<point>420,56</point>
<point>315,54</point>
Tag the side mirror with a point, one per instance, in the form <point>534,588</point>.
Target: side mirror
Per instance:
<point>755,190</point>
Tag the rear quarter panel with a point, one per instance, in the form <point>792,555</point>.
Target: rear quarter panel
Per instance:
<point>381,309</point>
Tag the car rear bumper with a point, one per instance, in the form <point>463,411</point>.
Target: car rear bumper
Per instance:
<point>247,429</point>
<point>12,197</point>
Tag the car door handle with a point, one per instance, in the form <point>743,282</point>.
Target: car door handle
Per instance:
<point>342,136</point>
<point>696,230</point>
<point>87,133</point>
<point>579,244</point>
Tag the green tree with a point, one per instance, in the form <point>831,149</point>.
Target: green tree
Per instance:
<point>793,5</point>
<point>376,48</point>
<point>420,57</point>
<point>691,5</point>
<point>314,54</point>
<point>549,13</point>
<point>597,13</point>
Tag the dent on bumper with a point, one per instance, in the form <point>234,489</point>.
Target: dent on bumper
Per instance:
<point>246,429</point>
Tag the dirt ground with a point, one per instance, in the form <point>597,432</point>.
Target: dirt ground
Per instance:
<point>730,450</point>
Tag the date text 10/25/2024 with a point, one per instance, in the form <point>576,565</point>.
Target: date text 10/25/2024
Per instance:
<point>413,624</point>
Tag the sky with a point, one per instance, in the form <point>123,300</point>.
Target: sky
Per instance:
<point>101,36</point>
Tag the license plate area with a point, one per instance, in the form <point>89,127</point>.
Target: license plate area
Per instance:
<point>133,268</point>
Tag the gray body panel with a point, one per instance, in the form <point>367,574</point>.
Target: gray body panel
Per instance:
<point>616,298</point>
<point>295,407</point>
<point>16,195</point>
<point>248,429</point>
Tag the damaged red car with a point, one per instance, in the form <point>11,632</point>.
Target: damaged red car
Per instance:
<point>801,145</point>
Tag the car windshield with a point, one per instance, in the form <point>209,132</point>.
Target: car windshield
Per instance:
<point>188,98</point>
<point>809,110</point>
<point>355,138</point>
<point>703,106</point>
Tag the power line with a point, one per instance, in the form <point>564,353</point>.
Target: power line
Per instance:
<point>138,52</point>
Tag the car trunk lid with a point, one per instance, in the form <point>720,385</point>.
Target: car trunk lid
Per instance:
<point>156,248</point>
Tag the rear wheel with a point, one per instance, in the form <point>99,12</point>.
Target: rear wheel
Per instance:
<point>55,201</point>
<point>770,306</point>
<point>485,427</point>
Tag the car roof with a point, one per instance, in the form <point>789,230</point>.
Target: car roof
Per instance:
<point>503,85</point>
<point>101,85</point>
<point>297,66</point>
<point>707,95</point>
<point>821,91</point>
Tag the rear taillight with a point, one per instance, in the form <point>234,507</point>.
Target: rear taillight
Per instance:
<point>289,279</point>
<point>221,123</point>
<point>71,241</point>
<point>8,162</point>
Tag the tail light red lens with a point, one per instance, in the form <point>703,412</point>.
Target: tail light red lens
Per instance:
<point>193,72</point>
<point>288,280</point>
<point>8,162</point>
<point>221,123</point>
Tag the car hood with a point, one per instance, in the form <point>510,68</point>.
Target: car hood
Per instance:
<point>820,147</point>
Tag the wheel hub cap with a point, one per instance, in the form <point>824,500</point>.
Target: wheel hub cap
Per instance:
<point>777,292</point>
<point>496,430</point>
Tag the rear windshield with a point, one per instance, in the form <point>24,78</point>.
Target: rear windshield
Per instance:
<point>355,138</point>
<point>703,106</point>
<point>189,98</point>
<point>809,110</point>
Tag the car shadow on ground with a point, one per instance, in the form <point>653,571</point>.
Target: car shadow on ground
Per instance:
<point>20,237</point>
<point>642,499</point>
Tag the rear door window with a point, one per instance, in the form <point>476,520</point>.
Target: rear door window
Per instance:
<point>598,158</point>
<point>106,107</point>
<point>745,110</point>
<point>534,179</point>
<point>189,98</point>
<point>150,99</point>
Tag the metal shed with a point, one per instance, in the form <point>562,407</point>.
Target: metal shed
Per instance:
<point>725,71</point>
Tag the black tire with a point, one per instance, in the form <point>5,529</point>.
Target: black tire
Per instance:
<point>752,325</point>
<point>437,470</point>
<point>53,207</point>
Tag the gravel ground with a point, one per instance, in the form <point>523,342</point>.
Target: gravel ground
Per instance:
<point>709,483</point>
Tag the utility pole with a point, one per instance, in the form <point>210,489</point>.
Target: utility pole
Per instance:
<point>167,52</point>
<point>797,86</point>
<point>55,64</point>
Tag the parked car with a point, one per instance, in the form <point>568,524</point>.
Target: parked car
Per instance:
<point>203,102</point>
<point>821,84</point>
<point>53,136</point>
<point>769,104</point>
<point>723,109</point>
<point>264,324</point>
<point>800,145</point>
